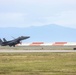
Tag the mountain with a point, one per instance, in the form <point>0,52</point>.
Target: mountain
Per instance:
<point>46,33</point>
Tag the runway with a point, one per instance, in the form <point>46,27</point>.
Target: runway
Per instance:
<point>25,51</point>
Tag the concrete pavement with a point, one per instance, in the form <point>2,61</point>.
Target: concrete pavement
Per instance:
<point>22,51</point>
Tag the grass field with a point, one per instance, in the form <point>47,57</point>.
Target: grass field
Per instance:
<point>37,63</point>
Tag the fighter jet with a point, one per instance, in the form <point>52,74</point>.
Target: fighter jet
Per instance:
<point>13,42</point>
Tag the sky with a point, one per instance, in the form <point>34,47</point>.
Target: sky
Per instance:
<point>26,13</point>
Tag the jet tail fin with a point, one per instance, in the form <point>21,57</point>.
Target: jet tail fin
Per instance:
<point>4,40</point>
<point>1,41</point>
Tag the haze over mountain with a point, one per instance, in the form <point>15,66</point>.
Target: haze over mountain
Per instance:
<point>46,33</point>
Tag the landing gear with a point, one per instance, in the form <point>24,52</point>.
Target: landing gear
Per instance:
<point>74,48</point>
<point>13,45</point>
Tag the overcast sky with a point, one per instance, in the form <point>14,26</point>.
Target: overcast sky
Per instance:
<point>25,13</point>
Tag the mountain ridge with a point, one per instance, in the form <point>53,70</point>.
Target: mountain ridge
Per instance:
<point>46,33</point>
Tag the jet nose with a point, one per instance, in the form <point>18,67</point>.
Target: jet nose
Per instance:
<point>26,37</point>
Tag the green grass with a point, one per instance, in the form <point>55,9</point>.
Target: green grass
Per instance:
<point>37,63</point>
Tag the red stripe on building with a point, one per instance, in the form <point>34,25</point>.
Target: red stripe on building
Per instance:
<point>60,43</point>
<point>36,43</point>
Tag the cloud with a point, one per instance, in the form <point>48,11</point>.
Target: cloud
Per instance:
<point>24,13</point>
<point>11,19</point>
<point>40,1</point>
<point>66,18</point>
<point>31,2</point>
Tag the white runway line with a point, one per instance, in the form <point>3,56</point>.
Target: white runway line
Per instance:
<point>18,51</point>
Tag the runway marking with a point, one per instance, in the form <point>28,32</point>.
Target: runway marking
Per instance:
<point>18,51</point>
